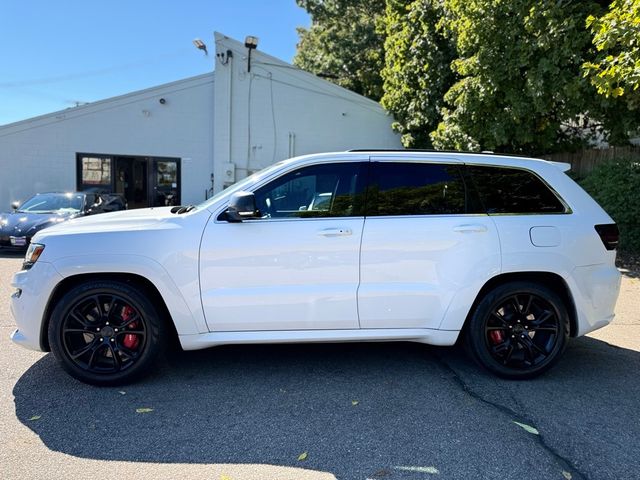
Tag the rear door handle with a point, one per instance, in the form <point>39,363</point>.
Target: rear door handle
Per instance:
<point>335,232</point>
<point>470,228</point>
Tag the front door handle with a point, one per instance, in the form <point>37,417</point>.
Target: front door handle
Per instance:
<point>470,228</point>
<point>335,232</point>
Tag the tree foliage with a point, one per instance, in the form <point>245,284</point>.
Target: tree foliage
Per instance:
<point>343,44</point>
<point>615,72</point>
<point>416,73</point>
<point>519,63</point>
<point>615,187</point>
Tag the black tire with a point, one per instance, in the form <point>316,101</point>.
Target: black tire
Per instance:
<point>518,330</point>
<point>106,333</point>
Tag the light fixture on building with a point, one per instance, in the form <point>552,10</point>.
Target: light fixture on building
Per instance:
<point>200,45</point>
<point>251,43</point>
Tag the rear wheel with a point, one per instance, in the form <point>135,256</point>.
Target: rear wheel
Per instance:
<point>518,330</point>
<point>106,332</point>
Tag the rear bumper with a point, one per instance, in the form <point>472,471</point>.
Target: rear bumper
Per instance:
<point>595,290</point>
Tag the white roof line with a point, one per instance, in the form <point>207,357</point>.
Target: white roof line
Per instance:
<point>81,108</point>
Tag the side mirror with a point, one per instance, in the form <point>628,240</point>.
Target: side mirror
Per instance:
<point>242,205</point>
<point>15,205</point>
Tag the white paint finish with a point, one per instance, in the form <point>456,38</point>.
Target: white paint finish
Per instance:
<point>545,236</point>
<point>29,307</point>
<point>153,243</point>
<point>409,265</point>
<point>424,335</point>
<point>412,267</point>
<point>39,154</point>
<point>280,274</point>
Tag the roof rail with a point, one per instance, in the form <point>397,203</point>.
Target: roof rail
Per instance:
<point>431,150</point>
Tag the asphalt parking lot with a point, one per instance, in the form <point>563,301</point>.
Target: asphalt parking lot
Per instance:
<point>350,411</point>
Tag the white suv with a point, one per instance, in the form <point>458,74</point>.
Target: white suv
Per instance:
<point>353,246</point>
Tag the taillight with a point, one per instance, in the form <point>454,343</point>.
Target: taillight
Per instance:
<point>609,234</point>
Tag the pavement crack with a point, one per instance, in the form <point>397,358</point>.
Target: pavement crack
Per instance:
<point>564,462</point>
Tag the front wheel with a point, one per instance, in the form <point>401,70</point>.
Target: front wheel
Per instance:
<point>518,330</point>
<point>106,332</point>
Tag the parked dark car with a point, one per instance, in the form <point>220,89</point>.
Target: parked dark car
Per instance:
<point>46,209</point>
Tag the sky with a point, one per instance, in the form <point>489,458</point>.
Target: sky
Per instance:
<point>56,53</point>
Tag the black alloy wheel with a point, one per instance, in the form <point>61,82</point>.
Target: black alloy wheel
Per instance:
<point>105,333</point>
<point>519,330</point>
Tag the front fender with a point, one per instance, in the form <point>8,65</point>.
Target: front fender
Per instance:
<point>188,321</point>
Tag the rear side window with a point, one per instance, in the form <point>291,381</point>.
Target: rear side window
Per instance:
<point>415,189</point>
<point>511,190</point>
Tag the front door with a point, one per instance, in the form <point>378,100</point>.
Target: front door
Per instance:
<point>296,268</point>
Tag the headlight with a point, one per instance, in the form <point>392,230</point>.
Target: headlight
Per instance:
<point>33,253</point>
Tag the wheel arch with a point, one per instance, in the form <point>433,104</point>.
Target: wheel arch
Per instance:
<point>549,279</point>
<point>68,283</point>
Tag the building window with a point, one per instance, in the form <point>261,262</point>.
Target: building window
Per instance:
<point>96,171</point>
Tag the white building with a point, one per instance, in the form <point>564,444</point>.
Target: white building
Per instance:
<point>179,142</point>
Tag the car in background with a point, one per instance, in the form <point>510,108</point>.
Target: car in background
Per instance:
<point>46,209</point>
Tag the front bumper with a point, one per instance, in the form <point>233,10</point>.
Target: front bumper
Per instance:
<point>29,302</point>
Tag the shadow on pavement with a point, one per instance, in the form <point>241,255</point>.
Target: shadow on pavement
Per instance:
<point>377,411</point>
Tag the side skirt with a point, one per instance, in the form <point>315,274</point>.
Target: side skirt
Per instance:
<point>420,335</point>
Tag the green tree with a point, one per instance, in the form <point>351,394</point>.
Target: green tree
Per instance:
<point>417,69</point>
<point>615,72</point>
<point>520,87</point>
<point>343,44</point>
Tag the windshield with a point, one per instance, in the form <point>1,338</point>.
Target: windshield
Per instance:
<point>53,203</point>
<point>236,187</point>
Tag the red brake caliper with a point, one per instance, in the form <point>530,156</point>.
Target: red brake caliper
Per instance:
<point>497,337</point>
<point>130,340</point>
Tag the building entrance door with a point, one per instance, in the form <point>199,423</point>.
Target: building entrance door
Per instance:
<point>131,181</point>
<point>142,181</point>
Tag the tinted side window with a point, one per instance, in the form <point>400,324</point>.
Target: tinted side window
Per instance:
<point>330,190</point>
<point>415,189</point>
<point>510,190</point>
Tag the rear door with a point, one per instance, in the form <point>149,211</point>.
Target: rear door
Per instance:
<point>424,241</point>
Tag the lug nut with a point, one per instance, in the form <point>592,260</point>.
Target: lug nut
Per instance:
<point>116,329</point>
<point>112,340</point>
<point>107,323</point>
<point>101,339</point>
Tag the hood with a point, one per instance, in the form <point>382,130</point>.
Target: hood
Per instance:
<point>121,221</point>
<point>19,224</point>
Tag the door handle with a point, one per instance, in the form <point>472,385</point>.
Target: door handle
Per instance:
<point>470,228</point>
<point>335,232</point>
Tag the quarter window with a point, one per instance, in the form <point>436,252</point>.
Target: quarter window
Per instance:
<point>330,190</point>
<point>415,189</point>
<point>511,190</point>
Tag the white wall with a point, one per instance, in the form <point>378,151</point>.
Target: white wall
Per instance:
<point>269,114</point>
<point>39,154</point>
<point>265,107</point>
